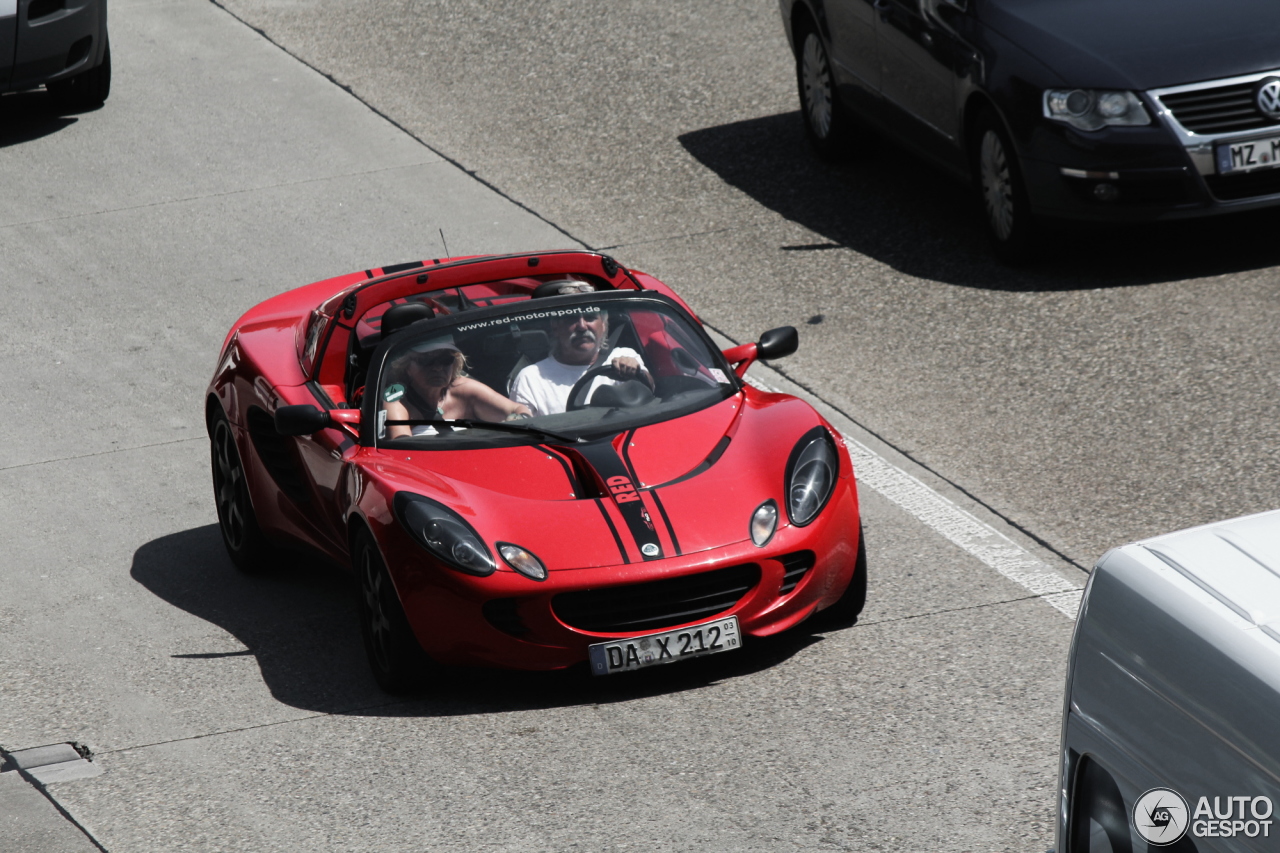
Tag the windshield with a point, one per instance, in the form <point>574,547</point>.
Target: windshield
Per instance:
<point>564,368</point>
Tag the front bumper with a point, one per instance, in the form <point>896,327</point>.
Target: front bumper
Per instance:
<point>508,621</point>
<point>1139,174</point>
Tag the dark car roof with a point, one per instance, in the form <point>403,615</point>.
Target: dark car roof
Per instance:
<point>1141,44</point>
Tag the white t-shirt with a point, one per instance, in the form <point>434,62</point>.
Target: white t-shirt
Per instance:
<point>545,385</point>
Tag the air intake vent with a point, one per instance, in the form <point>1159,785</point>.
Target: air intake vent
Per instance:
<point>501,613</point>
<point>795,567</point>
<point>44,8</point>
<point>1222,109</point>
<point>276,455</point>
<point>658,604</point>
<point>1248,185</point>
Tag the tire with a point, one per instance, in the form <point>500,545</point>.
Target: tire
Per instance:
<point>849,606</point>
<point>1011,228</point>
<point>827,123</point>
<point>248,549</point>
<point>396,659</point>
<point>87,90</point>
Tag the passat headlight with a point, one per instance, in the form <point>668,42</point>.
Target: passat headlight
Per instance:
<point>811,475</point>
<point>443,532</point>
<point>763,522</point>
<point>1089,109</point>
<point>522,561</point>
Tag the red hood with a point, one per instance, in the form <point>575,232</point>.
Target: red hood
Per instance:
<point>525,494</point>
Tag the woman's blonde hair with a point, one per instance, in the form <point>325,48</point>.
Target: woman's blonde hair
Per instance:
<point>401,365</point>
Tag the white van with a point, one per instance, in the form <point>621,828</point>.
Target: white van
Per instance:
<point>59,44</point>
<point>1171,724</point>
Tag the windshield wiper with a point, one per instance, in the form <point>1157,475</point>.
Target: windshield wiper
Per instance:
<point>501,426</point>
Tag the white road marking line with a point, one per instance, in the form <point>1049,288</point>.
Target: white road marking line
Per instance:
<point>960,527</point>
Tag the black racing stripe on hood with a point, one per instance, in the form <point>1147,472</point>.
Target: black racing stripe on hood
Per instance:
<point>622,549</point>
<point>574,484</point>
<point>657,502</point>
<point>601,456</point>
<point>662,510</point>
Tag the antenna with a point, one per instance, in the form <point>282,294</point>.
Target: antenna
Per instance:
<point>446,245</point>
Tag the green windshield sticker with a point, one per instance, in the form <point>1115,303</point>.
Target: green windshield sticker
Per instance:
<point>393,393</point>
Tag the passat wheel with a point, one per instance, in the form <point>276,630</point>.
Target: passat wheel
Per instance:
<point>395,657</point>
<point>826,122</point>
<point>247,547</point>
<point>849,606</point>
<point>1010,227</point>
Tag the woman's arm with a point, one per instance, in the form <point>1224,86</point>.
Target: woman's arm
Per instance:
<point>397,412</point>
<point>485,403</point>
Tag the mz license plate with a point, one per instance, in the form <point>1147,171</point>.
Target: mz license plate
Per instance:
<point>668,647</point>
<point>1240,157</point>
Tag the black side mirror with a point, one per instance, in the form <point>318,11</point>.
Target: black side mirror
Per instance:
<point>777,343</point>
<point>301,420</point>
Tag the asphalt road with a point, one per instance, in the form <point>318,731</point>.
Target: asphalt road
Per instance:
<point>1125,389</point>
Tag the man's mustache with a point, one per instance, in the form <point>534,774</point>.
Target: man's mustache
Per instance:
<point>581,335</point>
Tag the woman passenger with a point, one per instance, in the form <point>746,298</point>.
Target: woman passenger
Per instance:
<point>436,389</point>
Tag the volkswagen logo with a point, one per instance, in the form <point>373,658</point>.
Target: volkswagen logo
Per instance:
<point>1267,97</point>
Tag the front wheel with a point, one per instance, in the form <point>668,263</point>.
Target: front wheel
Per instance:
<point>395,657</point>
<point>1011,229</point>
<point>87,90</point>
<point>248,549</point>
<point>827,124</point>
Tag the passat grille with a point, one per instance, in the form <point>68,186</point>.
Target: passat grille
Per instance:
<point>794,568</point>
<point>1221,109</point>
<point>657,604</point>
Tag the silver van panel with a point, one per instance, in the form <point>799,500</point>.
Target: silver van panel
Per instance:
<point>1174,682</point>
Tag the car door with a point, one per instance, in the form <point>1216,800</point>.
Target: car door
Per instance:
<point>8,39</point>
<point>921,57</point>
<point>852,25</point>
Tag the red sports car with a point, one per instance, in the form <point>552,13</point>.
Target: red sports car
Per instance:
<point>530,461</point>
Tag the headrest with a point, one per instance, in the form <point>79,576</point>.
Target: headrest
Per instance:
<point>561,287</point>
<point>399,316</point>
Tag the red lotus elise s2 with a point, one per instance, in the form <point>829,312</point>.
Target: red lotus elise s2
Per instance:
<point>530,461</point>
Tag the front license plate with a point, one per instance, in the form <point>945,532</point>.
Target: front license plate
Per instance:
<point>708,638</point>
<point>1240,157</point>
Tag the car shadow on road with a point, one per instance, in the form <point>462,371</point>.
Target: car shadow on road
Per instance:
<point>300,623</point>
<point>28,116</point>
<point>893,207</point>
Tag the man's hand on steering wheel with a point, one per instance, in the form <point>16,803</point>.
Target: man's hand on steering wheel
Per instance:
<point>626,367</point>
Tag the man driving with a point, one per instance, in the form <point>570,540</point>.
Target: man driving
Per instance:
<point>579,342</point>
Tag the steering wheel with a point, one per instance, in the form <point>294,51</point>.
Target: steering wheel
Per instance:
<point>580,387</point>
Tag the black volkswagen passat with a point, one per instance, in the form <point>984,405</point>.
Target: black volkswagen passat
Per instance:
<point>1104,110</point>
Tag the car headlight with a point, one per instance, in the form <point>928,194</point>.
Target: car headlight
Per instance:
<point>1089,109</point>
<point>763,522</point>
<point>443,532</point>
<point>811,475</point>
<point>522,561</point>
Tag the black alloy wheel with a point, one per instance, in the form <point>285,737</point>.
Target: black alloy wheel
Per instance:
<point>827,124</point>
<point>395,657</point>
<point>1006,211</point>
<point>248,549</point>
<point>87,90</point>
<point>849,606</point>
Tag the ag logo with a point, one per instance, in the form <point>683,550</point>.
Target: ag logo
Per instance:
<point>649,549</point>
<point>1160,816</point>
<point>1267,97</point>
